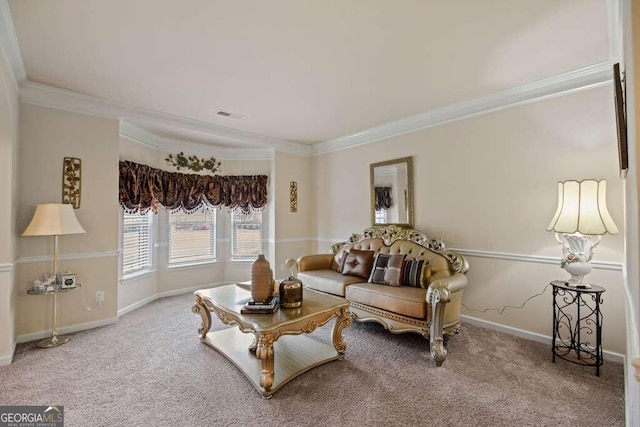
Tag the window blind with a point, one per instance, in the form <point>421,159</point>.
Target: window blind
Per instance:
<point>246,239</point>
<point>192,238</point>
<point>136,242</point>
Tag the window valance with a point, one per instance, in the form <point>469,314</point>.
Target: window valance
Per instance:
<point>383,198</point>
<point>143,187</point>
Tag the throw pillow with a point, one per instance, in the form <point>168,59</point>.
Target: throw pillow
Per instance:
<point>379,267</point>
<point>338,260</point>
<point>358,263</point>
<point>415,273</point>
<point>394,268</point>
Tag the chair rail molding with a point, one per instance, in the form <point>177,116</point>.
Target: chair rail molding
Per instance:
<point>540,259</point>
<point>7,267</point>
<point>66,257</point>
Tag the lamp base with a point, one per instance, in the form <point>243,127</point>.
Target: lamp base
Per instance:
<point>53,341</point>
<point>578,269</point>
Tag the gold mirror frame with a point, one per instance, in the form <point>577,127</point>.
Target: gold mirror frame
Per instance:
<point>409,201</point>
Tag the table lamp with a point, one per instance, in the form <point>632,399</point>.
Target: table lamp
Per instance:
<point>579,222</point>
<point>53,219</point>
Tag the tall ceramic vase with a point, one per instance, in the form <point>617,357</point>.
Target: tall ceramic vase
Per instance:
<point>261,279</point>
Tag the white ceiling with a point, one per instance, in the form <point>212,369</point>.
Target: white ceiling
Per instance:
<point>302,70</point>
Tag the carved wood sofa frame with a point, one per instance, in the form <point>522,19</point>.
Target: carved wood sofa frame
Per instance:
<point>445,288</point>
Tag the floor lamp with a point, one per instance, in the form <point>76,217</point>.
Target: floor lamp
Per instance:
<point>54,219</point>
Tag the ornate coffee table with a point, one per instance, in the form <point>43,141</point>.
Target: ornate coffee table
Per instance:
<point>263,346</point>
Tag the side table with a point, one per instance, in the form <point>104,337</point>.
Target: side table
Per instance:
<point>55,339</point>
<point>577,321</point>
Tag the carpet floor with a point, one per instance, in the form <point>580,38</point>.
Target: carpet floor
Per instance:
<point>150,369</point>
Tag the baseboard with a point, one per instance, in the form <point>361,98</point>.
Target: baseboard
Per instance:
<point>7,360</point>
<point>608,355</point>
<point>165,294</point>
<point>138,304</point>
<point>66,329</point>
<point>191,289</point>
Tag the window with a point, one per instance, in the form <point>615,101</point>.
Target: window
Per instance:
<point>381,216</point>
<point>136,243</point>
<point>192,238</point>
<point>246,234</point>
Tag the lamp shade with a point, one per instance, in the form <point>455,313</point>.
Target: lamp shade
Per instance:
<point>53,219</point>
<point>582,208</point>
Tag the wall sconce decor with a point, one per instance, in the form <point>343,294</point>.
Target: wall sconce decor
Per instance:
<point>194,163</point>
<point>293,196</point>
<point>71,181</point>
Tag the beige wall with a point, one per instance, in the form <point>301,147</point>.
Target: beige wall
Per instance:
<point>9,124</point>
<point>47,136</point>
<point>488,184</point>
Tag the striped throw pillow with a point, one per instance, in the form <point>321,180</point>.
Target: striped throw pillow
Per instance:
<point>379,267</point>
<point>414,273</point>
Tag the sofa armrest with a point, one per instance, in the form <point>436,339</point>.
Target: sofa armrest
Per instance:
<point>453,283</point>
<point>315,262</point>
<point>438,296</point>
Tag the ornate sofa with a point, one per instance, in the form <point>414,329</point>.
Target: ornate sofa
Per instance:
<point>431,309</point>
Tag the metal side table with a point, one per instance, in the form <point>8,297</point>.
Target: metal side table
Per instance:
<point>55,339</point>
<point>577,324</point>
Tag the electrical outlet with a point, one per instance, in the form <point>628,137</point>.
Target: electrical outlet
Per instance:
<point>100,297</point>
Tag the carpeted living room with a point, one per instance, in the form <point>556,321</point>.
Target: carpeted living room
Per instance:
<point>301,213</point>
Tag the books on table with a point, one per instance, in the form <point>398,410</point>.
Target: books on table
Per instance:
<point>261,307</point>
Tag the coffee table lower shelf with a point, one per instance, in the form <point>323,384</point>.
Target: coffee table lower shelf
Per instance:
<point>293,355</point>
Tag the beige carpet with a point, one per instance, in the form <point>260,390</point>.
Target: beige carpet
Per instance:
<point>150,369</point>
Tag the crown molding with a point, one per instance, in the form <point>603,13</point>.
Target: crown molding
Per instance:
<point>142,136</point>
<point>562,84</point>
<point>51,97</point>
<point>9,45</point>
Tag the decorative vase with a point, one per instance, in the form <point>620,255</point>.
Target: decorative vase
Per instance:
<point>290,293</point>
<point>261,279</point>
<point>578,270</point>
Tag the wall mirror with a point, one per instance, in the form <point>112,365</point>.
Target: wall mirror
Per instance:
<point>392,192</point>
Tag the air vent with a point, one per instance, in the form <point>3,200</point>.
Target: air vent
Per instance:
<point>229,114</point>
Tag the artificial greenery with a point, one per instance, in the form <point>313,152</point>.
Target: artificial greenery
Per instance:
<point>180,161</point>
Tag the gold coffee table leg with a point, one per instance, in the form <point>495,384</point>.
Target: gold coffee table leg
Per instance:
<point>200,308</point>
<point>343,320</point>
<point>264,352</point>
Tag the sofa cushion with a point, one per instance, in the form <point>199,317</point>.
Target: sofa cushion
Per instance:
<point>415,273</point>
<point>379,267</point>
<point>328,281</point>
<point>403,300</point>
<point>393,270</point>
<point>358,263</point>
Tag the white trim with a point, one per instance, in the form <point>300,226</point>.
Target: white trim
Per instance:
<point>7,360</point>
<point>66,329</point>
<point>6,267</point>
<point>161,245</point>
<point>150,140</point>
<point>137,275</point>
<point>192,289</point>
<point>165,294</point>
<point>540,259</point>
<point>9,45</point>
<point>195,264</point>
<point>608,355</point>
<point>52,97</point>
<point>67,257</point>
<point>136,305</point>
<point>584,78</point>
<point>614,13</point>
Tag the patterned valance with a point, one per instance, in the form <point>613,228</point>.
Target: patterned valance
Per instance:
<point>143,187</point>
<point>383,198</point>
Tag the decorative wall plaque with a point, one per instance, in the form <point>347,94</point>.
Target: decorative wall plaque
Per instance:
<point>293,196</point>
<point>71,181</point>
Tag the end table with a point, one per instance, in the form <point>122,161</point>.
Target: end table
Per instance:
<point>577,322</point>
